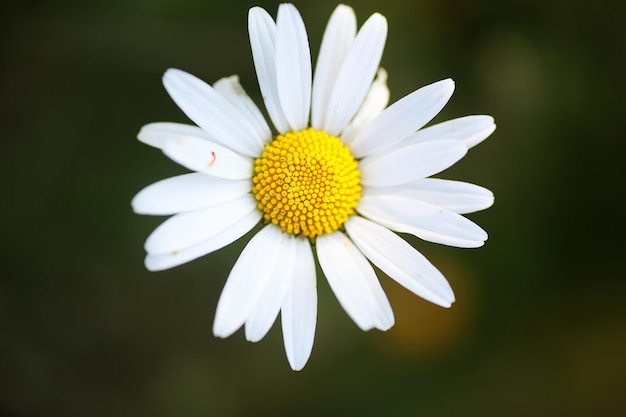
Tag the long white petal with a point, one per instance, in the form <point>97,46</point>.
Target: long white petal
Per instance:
<point>234,231</point>
<point>158,134</point>
<point>293,66</point>
<point>262,33</point>
<point>426,221</point>
<point>187,192</point>
<point>212,112</point>
<point>187,229</point>
<point>402,118</point>
<point>231,89</point>
<point>299,310</point>
<point>375,102</point>
<point>256,265</point>
<point>266,309</point>
<point>470,129</point>
<point>459,197</point>
<point>201,155</point>
<point>410,163</point>
<point>356,74</point>
<point>354,282</point>
<point>399,260</point>
<point>338,37</point>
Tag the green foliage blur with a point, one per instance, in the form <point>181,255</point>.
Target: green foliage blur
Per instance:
<point>539,326</point>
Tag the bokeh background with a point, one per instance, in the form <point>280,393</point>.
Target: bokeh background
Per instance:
<point>539,326</point>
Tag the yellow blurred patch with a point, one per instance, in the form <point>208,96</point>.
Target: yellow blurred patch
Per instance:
<point>424,331</point>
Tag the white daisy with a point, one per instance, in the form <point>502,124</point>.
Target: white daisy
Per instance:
<point>338,183</point>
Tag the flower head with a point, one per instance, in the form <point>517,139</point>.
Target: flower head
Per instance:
<point>342,173</point>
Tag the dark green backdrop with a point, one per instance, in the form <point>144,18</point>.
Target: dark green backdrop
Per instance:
<point>539,328</point>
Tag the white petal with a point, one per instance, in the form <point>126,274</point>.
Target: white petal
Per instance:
<point>262,33</point>
<point>356,74</point>
<point>338,37</point>
<point>187,192</point>
<point>402,118</point>
<point>423,220</point>
<point>354,282</point>
<point>470,129</point>
<point>293,66</point>
<point>456,196</point>
<point>231,89</point>
<point>375,102</point>
<point>257,264</point>
<point>158,134</point>
<point>299,310</point>
<point>266,309</point>
<point>410,163</point>
<point>399,260</point>
<point>212,112</point>
<point>209,158</point>
<point>187,229</point>
<point>227,236</point>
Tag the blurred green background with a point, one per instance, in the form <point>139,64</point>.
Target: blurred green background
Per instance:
<point>539,326</point>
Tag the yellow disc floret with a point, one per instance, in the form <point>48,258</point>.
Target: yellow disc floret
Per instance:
<point>307,183</point>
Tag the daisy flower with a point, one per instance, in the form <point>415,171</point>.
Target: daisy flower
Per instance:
<point>338,175</point>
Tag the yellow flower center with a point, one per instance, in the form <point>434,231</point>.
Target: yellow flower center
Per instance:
<point>307,183</point>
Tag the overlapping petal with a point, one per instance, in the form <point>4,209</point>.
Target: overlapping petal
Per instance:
<point>262,33</point>
<point>237,228</point>
<point>338,37</point>
<point>470,129</point>
<point>354,282</point>
<point>356,74</point>
<point>459,197</point>
<point>401,119</point>
<point>203,156</point>
<point>375,102</point>
<point>258,263</point>
<point>426,221</point>
<point>410,163</point>
<point>266,309</point>
<point>158,134</point>
<point>187,192</point>
<point>187,229</point>
<point>212,112</point>
<point>293,67</point>
<point>299,310</point>
<point>231,89</point>
<point>396,258</point>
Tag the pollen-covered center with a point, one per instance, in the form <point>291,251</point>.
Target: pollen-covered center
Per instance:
<point>307,183</point>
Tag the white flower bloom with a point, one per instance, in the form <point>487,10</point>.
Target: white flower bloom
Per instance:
<point>343,173</point>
